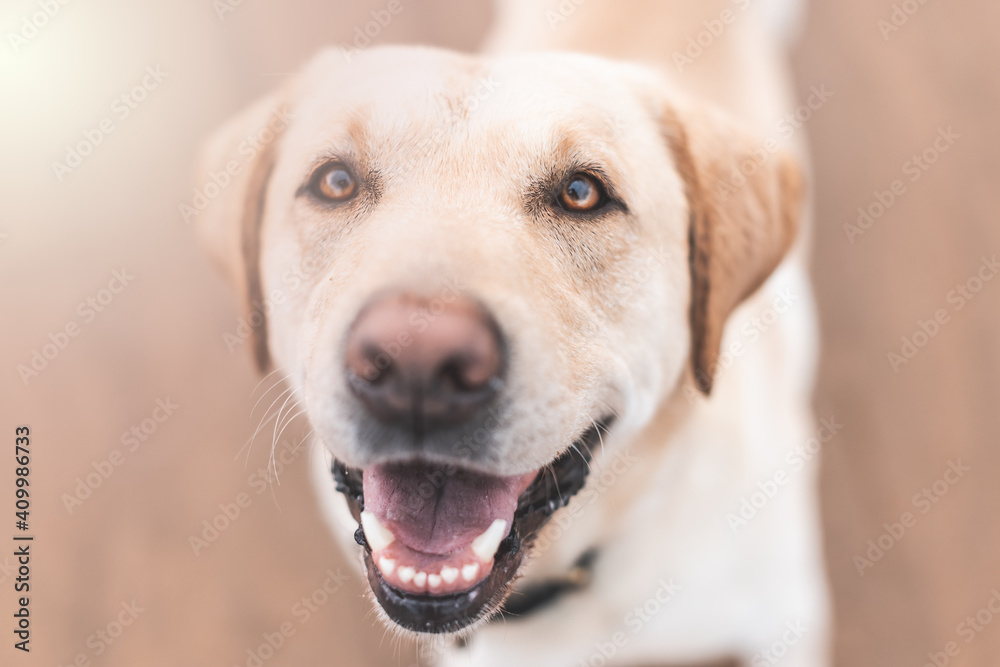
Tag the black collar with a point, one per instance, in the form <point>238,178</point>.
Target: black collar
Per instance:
<point>538,595</point>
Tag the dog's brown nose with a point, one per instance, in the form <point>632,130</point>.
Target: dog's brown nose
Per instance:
<point>424,364</point>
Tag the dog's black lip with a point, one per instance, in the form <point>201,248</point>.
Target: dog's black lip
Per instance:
<point>436,614</point>
<point>553,489</point>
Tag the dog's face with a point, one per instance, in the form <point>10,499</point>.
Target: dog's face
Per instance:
<point>470,270</point>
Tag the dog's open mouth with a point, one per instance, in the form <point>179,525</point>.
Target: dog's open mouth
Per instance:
<point>443,544</point>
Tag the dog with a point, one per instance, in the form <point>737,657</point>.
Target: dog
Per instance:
<point>553,333</point>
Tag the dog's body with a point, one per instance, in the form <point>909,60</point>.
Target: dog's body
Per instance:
<point>756,591</point>
<point>645,323</point>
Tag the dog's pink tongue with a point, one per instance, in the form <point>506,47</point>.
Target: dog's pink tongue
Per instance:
<point>439,510</point>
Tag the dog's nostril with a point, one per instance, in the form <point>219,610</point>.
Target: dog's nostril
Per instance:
<point>377,365</point>
<point>464,374</point>
<point>437,371</point>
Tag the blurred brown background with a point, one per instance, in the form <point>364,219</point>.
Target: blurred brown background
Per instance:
<point>161,337</point>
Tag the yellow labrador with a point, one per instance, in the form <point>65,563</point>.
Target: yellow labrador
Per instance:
<point>517,332</point>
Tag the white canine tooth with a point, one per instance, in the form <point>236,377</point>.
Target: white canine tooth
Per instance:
<point>434,580</point>
<point>449,574</point>
<point>406,574</point>
<point>469,572</point>
<point>486,545</point>
<point>377,535</point>
<point>386,565</point>
<point>420,578</point>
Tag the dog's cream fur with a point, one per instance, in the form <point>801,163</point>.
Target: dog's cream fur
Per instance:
<point>625,315</point>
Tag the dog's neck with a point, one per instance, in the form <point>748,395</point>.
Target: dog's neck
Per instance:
<point>536,595</point>
<point>717,73</point>
<point>567,548</point>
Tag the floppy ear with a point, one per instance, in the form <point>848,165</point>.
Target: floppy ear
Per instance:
<point>745,201</point>
<point>232,176</point>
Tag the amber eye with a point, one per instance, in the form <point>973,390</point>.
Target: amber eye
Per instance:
<point>581,193</point>
<point>336,182</point>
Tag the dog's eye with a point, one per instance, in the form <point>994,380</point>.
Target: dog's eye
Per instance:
<point>581,193</point>
<point>335,182</point>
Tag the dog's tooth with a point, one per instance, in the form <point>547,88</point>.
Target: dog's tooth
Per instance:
<point>406,574</point>
<point>377,535</point>
<point>486,545</point>
<point>434,580</point>
<point>420,578</point>
<point>469,572</point>
<point>386,565</point>
<point>449,574</point>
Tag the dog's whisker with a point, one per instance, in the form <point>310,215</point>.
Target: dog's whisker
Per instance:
<point>381,641</point>
<point>503,617</point>
<point>268,415</point>
<point>586,459</point>
<point>277,383</point>
<point>608,408</point>
<point>263,380</point>
<point>291,395</point>
<point>307,436</point>
<point>555,478</point>
<point>600,438</point>
<point>248,445</point>
<point>270,407</point>
<point>265,419</point>
<point>273,462</point>
<point>277,423</point>
<point>304,438</point>
<point>254,408</point>
<point>375,611</point>
<point>288,421</point>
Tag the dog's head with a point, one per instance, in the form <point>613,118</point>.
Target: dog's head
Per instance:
<point>470,269</point>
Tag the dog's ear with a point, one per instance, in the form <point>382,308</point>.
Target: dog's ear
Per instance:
<point>745,201</point>
<point>232,178</point>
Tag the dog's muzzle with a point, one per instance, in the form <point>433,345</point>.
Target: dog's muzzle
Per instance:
<point>451,576</point>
